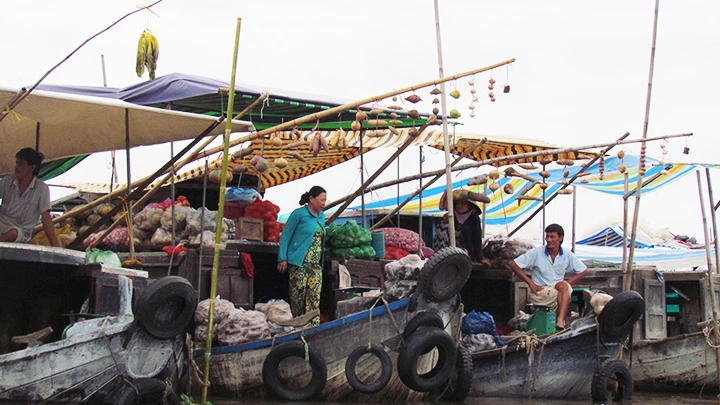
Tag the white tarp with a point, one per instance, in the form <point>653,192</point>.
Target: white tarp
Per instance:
<point>67,125</point>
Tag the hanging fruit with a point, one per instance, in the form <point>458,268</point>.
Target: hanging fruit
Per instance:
<point>543,185</point>
<point>565,191</point>
<point>360,115</point>
<point>376,111</point>
<point>494,174</point>
<point>435,111</point>
<point>239,169</point>
<point>566,173</point>
<point>493,187</point>
<point>454,113</point>
<point>355,126</point>
<point>622,167</point>
<point>436,101</point>
<point>413,98</point>
<point>602,167</point>
<point>280,163</point>
<point>508,188</point>
<point>413,132</point>
<point>435,91</point>
<point>506,89</point>
<point>545,174</point>
<point>148,53</point>
<point>455,94</point>
<point>414,114</point>
<point>477,180</point>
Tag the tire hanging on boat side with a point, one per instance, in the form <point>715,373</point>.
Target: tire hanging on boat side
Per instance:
<point>461,378</point>
<point>612,381</point>
<point>166,307</point>
<point>422,341</point>
<point>619,315</point>
<point>445,274</point>
<point>386,369</point>
<point>424,318</point>
<point>277,386</point>
<point>143,390</point>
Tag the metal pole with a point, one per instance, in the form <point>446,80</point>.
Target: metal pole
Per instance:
<point>625,222</point>
<point>397,199</point>
<point>129,182</point>
<point>713,217</point>
<point>218,226</point>
<point>172,196</point>
<point>446,134</point>
<point>711,283</point>
<point>636,213</point>
<point>574,216</point>
<point>362,178</point>
<point>113,174</point>
<point>420,211</point>
<point>542,232</point>
<point>484,213</point>
<point>202,221</point>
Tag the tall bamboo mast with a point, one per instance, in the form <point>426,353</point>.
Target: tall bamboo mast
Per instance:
<point>219,223</point>
<point>633,237</point>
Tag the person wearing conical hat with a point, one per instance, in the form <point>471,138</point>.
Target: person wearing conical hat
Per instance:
<point>468,228</point>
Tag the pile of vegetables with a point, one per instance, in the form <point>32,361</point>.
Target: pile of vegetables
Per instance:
<point>268,212</point>
<point>402,238</point>
<point>349,241</point>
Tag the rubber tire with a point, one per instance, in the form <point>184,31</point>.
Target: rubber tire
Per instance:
<point>445,274</point>
<point>461,378</point>
<point>424,318</point>
<point>150,391</point>
<point>386,369</point>
<point>166,307</point>
<point>275,385</point>
<point>422,341</point>
<point>620,314</point>
<point>609,370</point>
<point>413,301</point>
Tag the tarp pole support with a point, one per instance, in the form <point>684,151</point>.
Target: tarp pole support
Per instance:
<point>574,216</point>
<point>656,176</point>
<point>626,186</point>
<point>37,136</point>
<point>362,178</point>
<point>129,181</point>
<point>484,209</point>
<point>420,210</point>
<point>714,220</point>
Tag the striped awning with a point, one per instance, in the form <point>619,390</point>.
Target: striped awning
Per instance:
<point>490,147</point>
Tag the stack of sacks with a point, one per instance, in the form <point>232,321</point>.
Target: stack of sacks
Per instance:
<point>243,326</point>
<point>479,342</point>
<point>518,322</point>
<point>349,241</point>
<point>399,240</point>
<point>276,311</point>
<point>402,276</point>
<point>500,249</point>
<point>268,212</point>
<point>222,311</point>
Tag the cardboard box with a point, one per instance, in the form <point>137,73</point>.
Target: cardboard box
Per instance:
<point>249,228</point>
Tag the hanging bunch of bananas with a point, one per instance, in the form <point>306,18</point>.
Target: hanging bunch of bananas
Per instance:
<point>147,54</point>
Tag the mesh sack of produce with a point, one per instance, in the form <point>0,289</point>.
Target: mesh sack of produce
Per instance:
<point>351,235</point>
<point>222,309</point>
<point>243,326</point>
<point>275,310</point>
<point>357,252</point>
<point>399,289</point>
<point>200,334</point>
<point>179,217</point>
<point>479,342</point>
<point>402,238</point>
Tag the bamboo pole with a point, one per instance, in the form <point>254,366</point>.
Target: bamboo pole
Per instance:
<point>420,210</point>
<point>344,107</point>
<point>218,225</point>
<point>423,188</point>
<point>574,216</point>
<point>129,181</point>
<point>711,283</point>
<point>362,178</point>
<point>484,211</point>
<point>714,222</point>
<point>636,212</point>
<point>446,134</point>
<point>505,158</point>
<point>646,182</point>
<point>572,179</point>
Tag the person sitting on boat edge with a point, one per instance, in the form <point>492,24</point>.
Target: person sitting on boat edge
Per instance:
<point>468,228</point>
<point>549,264</point>
<point>25,199</point>
<point>301,253</point>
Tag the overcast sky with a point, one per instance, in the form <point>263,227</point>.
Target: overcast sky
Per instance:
<point>580,77</point>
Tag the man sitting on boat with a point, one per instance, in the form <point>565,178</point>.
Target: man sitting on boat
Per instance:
<point>549,264</point>
<point>25,199</point>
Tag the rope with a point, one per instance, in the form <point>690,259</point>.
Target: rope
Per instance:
<point>172,255</point>
<point>712,324</point>
<point>392,318</point>
<point>369,346</point>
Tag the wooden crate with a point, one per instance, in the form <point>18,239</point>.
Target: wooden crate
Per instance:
<point>249,228</point>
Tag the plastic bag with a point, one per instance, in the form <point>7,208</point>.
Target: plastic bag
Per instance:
<point>41,239</point>
<point>96,255</point>
<point>275,310</point>
<point>243,326</point>
<point>241,195</point>
<point>478,322</point>
<point>399,289</point>
<point>222,310</point>
<point>479,342</point>
<point>518,322</point>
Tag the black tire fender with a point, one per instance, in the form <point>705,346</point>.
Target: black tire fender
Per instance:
<point>620,314</point>
<point>413,301</point>
<point>445,274</point>
<point>386,369</point>
<point>612,381</point>
<point>166,307</point>
<point>421,341</point>
<point>424,318</point>
<point>143,390</point>
<point>278,388</point>
<point>461,378</point>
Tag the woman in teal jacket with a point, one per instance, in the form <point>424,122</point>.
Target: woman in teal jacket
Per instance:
<point>301,252</point>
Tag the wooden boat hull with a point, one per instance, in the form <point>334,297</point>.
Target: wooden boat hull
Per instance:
<point>561,368</point>
<point>236,371</point>
<point>679,363</point>
<point>87,367</point>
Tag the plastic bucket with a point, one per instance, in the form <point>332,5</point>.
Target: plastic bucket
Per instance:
<point>378,243</point>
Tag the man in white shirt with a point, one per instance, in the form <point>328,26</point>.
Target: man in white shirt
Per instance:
<point>25,200</point>
<point>549,264</point>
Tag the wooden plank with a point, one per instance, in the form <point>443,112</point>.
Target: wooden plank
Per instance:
<point>655,315</point>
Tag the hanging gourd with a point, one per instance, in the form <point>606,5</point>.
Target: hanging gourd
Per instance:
<point>621,167</point>
<point>471,82</point>
<point>148,53</point>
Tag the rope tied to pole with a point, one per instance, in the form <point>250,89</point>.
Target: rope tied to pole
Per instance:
<point>708,330</point>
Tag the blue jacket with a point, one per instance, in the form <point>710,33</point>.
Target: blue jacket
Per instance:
<point>297,235</point>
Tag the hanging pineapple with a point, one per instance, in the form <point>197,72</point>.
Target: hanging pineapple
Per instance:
<point>147,54</point>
